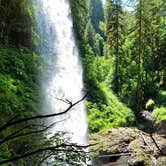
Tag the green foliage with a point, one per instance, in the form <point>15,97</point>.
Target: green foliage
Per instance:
<point>161,98</point>
<point>139,67</point>
<point>90,34</point>
<point>17,22</point>
<point>95,72</point>
<point>80,12</point>
<point>104,108</point>
<point>99,43</point>
<point>8,96</point>
<point>132,50</point>
<point>54,156</point>
<point>19,94</point>
<point>18,81</point>
<point>114,114</point>
<point>150,105</point>
<point>160,113</point>
<point>115,29</point>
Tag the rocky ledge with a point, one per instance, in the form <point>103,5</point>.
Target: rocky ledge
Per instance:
<point>128,147</point>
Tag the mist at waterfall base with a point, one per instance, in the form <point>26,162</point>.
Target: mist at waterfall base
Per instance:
<point>62,78</point>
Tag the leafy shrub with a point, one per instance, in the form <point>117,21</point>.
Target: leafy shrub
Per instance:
<point>104,108</point>
<point>114,114</point>
<point>161,98</point>
<point>18,81</point>
<point>96,70</point>
<point>150,105</point>
<point>19,93</point>
<point>159,113</point>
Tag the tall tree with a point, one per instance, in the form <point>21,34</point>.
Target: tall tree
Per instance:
<point>16,22</point>
<point>114,33</point>
<point>90,34</point>
<point>159,38</point>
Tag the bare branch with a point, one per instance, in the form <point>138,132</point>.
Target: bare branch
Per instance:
<point>153,139</point>
<point>57,148</point>
<point>13,135</point>
<point>114,155</point>
<point>40,116</point>
<point>43,160</point>
<point>65,101</point>
<point>10,136</point>
<point>157,146</point>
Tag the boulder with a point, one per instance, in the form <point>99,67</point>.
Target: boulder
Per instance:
<point>127,147</point>
<point>136,161</point>
<point>160,127</point>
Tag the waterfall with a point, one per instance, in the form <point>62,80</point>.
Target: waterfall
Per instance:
<point>63,74</point>
<point>103,2</point>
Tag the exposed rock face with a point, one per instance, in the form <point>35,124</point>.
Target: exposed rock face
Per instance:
<point>145,121</point>
<point>146,115</point>
<point>136,161</point>
<point>127,147</point>
<point>160,128</point>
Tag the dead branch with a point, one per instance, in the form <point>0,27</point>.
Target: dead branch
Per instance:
<point>12,135</point>
<point>114,155</point>
<point>153,139</point>
<point>145,142</point>
<point>157,146</point>
<point>11,123</point>
<point>57,148</point>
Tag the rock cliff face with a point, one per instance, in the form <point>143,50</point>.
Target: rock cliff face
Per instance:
<point>128,147</point>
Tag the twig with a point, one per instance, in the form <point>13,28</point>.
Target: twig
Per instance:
<point>65,101</point>
<point>113,155</point>
<point>41,116</point>
<point>151,135</point>
<point>52,148</point>
<point>13,136</point>
<point>146,143</point>
<point>161,152</point>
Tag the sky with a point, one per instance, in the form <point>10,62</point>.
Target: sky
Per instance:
<point>127,3</point>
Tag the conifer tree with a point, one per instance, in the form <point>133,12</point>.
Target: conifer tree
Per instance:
<point>114,33</point>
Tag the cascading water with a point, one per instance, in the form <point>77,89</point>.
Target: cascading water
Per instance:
<point>63,74</point>
<point>103,2</point>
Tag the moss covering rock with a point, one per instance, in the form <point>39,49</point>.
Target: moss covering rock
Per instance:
<point>129,146</point>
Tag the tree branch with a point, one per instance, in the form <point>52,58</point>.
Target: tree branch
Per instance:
<point>41,116</point>
<point>12,135</point>
<point>57,148</point>
<point>151,135</point>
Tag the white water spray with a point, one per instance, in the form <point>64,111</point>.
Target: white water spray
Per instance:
<point>63,78</point>
<point>103,2</point>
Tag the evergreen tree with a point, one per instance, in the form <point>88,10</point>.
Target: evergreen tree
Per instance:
<point>90,34</point>
<point>114,32</point>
